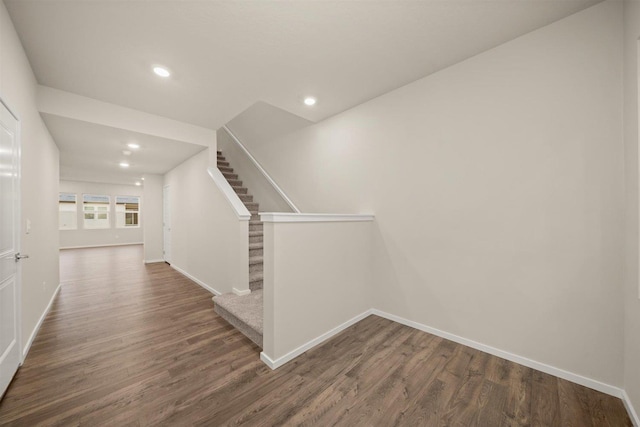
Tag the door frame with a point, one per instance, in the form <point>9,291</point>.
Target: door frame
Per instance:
<point>17,220</point>
<point>166,203</point>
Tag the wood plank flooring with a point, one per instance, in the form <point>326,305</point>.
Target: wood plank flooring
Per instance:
<point>129,344</point>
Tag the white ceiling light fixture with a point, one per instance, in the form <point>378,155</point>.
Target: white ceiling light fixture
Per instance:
<point>161,71</point>
<point>124,164</point>
<point>138,183</point>
<point>133,146</point>
<point>310,101</point>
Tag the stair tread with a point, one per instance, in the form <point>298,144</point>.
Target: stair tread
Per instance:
<point>257,245</point>
<point>247,308</point>
<point>256,259</point>
<point>256,233</point>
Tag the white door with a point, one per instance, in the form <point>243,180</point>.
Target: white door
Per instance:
<point>166,224</point>
<point>9,247</point>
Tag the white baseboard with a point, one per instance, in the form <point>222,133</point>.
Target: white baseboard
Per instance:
<point>195,279</point>
<point>101,246</point>
<point>561,373</point>
<point>274,364</point>
<point>35,331</point>
<point>241,292</point>
<point>630,409</point>
<point>152,261</point>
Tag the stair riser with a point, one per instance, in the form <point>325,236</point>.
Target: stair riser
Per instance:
<point>254,286</point>
<point>253,207</point>
<point>250,333</point>
<point>230,176</point>
<point>255,239</point>
<point>223,164</point>
<point>246,198</point>
<point>225,169</point>
<point>235,182</point>
<point>254,268</point>
<point>255,227</point>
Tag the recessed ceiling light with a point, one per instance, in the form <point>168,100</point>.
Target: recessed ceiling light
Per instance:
<point>161,71</point>
<point>138,183</point>
<point>310,100</point>
<point>133,146</point>
<point>124,164</point>
<point>142,178</point>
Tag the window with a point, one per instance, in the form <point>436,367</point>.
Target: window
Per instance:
<point>96,211</point>
<point>127,211</point>
<point>67,212</point>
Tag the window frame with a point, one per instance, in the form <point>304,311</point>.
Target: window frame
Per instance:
<point>137,212</point>
<point>86,212</point>
<point>75,210</point>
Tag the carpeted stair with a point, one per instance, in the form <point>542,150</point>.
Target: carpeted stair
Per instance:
<point>245,312</point>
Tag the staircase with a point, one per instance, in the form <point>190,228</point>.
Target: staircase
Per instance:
<point>245,312</point>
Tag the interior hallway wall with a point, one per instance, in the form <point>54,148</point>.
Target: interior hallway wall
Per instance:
<point>631,291</point>
<point>39,180</point>
<point>205,231</point>
<point>497,186</point>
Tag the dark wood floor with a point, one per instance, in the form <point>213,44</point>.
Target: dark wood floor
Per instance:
<point>128,344</point>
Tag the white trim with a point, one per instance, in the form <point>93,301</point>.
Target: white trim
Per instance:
<point>241,292</point>
<point>313,217</point>
<point>27,347</point>
<point>630,409</point>
<point>261,169</point>
<point>153,261</point>
<point>101,246</point>
<point>561,373</point>
<point>195,279</point>
<point>274,364</point>
<point>240,209</point>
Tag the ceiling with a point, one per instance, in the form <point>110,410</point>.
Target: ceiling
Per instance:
<point>93,152</point>
<point>227,55</point>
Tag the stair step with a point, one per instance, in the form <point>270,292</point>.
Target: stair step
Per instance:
<point>219,153</point>
<point>252,206</point>
<point>234,182</point>
<point>256,276</point>
<point>221,163</point>
<point>255,260</point>
<point>246,197</point>
<point>256,239</point>
<point>255,226</point>
<point>240,190</point>
<point>259,251</point>
<point>229,176</point>
<point>225,169</point>
<point>243,312</point>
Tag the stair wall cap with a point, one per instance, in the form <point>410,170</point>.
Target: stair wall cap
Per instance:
<point>313,217</point>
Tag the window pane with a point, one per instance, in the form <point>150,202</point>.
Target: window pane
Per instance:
<point>127,211</point>
<point>96,208</point>
<point>67,212</point>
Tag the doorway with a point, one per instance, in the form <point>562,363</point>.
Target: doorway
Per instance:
<point>10,345</point>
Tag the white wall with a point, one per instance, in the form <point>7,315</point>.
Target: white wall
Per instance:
<point>310,270</point>
<point>152,217</point>
<point>497,186</point>
<point>631,292</point>
<point>39,186</point>
<point>208,241</point>
<point>100,237</point>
